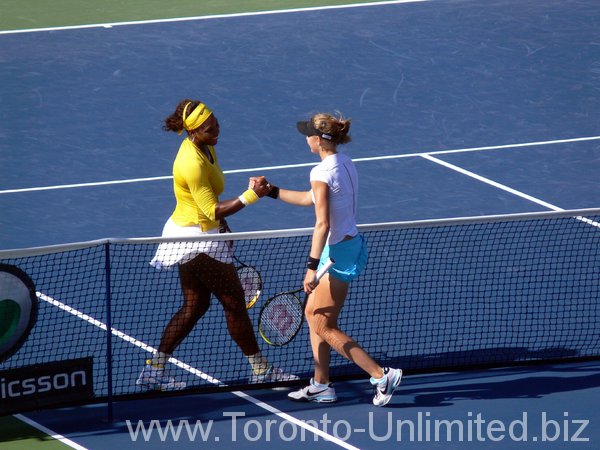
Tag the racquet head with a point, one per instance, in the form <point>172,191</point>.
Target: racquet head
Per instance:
<point>251,283</point>
<point>281,318</point>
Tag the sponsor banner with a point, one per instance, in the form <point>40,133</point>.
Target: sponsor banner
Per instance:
<point>49,384</point>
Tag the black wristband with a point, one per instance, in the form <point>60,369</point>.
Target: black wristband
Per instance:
<point>312,263</point>
<point>274,192</point>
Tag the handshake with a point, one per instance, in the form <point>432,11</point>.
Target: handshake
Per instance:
<point>262,187</point>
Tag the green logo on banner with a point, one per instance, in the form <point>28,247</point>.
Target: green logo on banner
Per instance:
<point>18,309</point>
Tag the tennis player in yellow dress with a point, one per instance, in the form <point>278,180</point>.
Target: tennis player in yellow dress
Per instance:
<point>205,267</point>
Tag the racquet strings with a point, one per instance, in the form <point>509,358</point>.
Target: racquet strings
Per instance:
<point>251,283</point>
<point>281,318</point>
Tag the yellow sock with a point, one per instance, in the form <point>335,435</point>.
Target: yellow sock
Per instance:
<point>259,364</point>
<point>159,360</point>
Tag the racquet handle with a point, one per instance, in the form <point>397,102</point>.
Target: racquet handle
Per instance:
<point>323,270</point>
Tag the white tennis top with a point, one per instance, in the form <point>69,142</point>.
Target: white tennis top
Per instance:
<point>339,172</point>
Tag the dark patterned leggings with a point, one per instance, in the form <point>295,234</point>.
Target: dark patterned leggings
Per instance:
<point>200,278</point>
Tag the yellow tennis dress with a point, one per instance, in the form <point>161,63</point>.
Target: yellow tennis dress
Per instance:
<point>197,183</point>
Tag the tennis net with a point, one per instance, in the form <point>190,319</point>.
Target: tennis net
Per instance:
<point>436,295</point>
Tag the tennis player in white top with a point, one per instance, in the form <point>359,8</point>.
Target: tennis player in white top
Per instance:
<point>334,193</point>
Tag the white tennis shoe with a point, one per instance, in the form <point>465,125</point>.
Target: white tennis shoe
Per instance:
<point>154,378</point>
<point>385,387</point>
<point>272,375</point>
<point>312,393</point>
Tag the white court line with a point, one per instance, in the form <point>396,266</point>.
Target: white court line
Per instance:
<point>294,166</point>
<point>210,17</point>
<point>195,371</point>
<point>505,188</point>
<point>49,432</point>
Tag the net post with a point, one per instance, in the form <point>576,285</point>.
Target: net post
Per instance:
<point>109,373</point>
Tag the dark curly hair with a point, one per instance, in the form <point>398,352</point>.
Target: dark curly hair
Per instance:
<point>175,121</point>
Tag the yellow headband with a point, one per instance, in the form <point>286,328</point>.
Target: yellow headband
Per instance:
<point>196,118</point>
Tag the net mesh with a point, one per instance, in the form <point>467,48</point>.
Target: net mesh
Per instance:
<point>433,296</point>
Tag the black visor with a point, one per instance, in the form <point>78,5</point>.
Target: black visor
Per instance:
<point>307,129</point>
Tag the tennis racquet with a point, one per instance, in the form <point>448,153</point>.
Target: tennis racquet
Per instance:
<point>249,277</point>
<point>251,282</point>
<point>282,316</point>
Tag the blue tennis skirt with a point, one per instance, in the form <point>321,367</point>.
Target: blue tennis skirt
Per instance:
<point>350,258</point>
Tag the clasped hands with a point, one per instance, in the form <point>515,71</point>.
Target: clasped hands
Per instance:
<point>260,185</point>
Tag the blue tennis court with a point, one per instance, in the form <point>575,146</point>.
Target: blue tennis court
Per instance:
<point>460,108</point>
